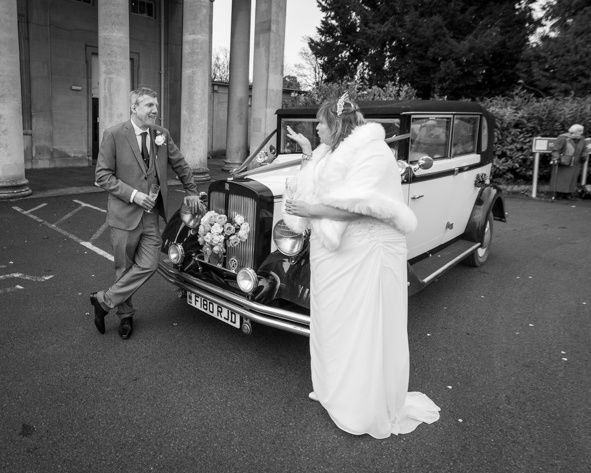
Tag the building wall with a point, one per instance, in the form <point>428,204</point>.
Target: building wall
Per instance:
<point>58,82</point>
<point>63,35</point>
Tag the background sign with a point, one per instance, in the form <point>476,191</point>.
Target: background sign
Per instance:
<point>543,145</point>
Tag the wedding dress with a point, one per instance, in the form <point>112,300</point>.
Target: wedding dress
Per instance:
<point>358,330</point>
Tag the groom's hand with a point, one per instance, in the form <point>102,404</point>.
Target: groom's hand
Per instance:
<point>143,200</point>
<point>195,205</point>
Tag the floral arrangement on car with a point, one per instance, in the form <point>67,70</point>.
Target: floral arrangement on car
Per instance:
<point>481,180</point>
<point>217,233</point>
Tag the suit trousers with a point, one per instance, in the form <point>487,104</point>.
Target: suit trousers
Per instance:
<point>136,254</point>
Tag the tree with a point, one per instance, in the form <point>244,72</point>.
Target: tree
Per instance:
<point>309,72</point>
<point>220,65</point>
<point>460,48</point>
<point>559,63</point>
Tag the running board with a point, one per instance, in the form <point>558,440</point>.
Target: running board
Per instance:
<point>427,269</point>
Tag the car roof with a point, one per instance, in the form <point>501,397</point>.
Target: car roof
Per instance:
<point>392,107</point>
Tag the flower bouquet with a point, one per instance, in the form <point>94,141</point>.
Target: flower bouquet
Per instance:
<point>216,233</point>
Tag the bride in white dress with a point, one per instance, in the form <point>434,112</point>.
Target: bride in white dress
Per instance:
<point>350,194</point>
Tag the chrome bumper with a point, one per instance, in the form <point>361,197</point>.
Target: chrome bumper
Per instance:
<point>272,316</point>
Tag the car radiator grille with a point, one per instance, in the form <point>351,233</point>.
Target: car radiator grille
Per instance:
<point>245,206</point>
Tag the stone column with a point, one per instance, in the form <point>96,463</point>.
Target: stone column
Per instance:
<point>237,123</point>
<point>267,84</point>
<point>41,87</point>
<point>196,85</point>
<point>12,154</point>
<point>113,56</point>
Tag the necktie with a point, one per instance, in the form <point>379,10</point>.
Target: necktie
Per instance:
<point>145,155</point>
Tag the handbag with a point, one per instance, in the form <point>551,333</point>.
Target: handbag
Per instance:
<point>567,158</point>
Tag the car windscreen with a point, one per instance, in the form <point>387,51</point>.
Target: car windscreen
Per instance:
<point>307,127</point>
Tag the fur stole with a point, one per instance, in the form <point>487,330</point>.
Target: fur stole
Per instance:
<point>361,176</point>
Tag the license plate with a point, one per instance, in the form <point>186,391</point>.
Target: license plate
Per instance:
<point>214,309</point>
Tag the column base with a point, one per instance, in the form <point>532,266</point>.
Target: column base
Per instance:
<point>201,174</point>
<point>14,189</point>
<point>230,166</point>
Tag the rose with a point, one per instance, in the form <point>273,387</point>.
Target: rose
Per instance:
<point>159,140</point>
<point>245,227</point>
<point>218,250</point>
<point>217,239</point>
<point>239,219</point>
<point>242,235</point>
<point>209,218</point>
<point>208,238</point>
<point>229,229</point>
<point>222,219</point>
<point>233,241</point>
<point>216,229</point>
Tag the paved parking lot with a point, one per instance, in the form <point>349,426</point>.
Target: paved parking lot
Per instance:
<point>503,349</point>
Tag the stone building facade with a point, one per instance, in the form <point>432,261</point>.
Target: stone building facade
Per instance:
<point>71,87</point>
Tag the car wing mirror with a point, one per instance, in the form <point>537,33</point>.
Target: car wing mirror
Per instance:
<point>408,170</point>
<point>426,162</point>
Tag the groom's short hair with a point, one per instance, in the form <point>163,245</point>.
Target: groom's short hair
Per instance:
<point>135,95</point>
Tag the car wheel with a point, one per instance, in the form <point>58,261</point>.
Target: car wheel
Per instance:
<point>479,257</point>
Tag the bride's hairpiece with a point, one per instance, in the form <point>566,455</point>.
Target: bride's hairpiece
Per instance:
<point>341,103</point>
<point>343,100</point>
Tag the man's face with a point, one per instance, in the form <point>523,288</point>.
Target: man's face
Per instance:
<point>145,111</point>
<point>576,134</point>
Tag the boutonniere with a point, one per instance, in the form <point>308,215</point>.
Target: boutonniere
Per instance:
<point>159,140</point>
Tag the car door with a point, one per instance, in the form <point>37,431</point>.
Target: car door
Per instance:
<point>430,192</point>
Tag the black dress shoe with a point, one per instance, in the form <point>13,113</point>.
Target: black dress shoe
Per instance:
<point>99,313</point>
<point>126,328</point>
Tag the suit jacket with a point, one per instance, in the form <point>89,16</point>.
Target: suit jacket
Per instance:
<point>120,169</point>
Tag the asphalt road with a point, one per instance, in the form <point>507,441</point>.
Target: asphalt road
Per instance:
<point>502,349</point>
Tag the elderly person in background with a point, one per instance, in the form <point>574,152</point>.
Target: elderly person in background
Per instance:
<point>568,155</point>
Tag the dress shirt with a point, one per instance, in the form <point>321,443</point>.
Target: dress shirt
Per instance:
<point>138,137</point>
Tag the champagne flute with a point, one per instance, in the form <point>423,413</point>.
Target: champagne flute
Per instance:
<point>291,187</point>
<point>153,193</point>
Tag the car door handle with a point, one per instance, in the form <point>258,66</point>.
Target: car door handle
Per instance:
<point>417,196</point>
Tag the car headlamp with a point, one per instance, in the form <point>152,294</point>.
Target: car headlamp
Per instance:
<point>176,253</point>
<point>288,242</point>
<point>247,280</point>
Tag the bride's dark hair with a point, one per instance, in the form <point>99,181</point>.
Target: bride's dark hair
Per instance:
<point>340,124</point>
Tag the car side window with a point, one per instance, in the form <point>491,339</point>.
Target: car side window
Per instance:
<point>305,126</point>
<point>465,135</point>
<point>392,129</point>
<point>484,135</point>
<point>429,136</point>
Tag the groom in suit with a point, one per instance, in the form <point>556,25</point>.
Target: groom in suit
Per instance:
<point>134,155</point>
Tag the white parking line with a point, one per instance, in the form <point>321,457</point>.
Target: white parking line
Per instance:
<point>26,276</point>
<point>89,206</point>
<point>68,215</point>
<point>18,287</point>
<point>86,244</point>
<point>11,289</point>
<point>99,232</point>
<point>36,208</point>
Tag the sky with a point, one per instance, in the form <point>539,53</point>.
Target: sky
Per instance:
<point>302,18</point>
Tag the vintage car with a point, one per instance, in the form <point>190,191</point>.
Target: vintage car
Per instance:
<point>259,272</point>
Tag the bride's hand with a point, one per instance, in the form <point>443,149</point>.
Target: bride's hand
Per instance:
<point>300,140</point>
<point>298,208</point>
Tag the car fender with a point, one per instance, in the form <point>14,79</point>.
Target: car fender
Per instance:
<point>489,200</point>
